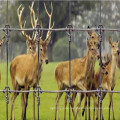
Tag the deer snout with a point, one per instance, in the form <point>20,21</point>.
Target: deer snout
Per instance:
<point>46,61</point>
<point>98,46</point>
<point>106,72</point>
<point>118,52</point>
<point>98,57</point>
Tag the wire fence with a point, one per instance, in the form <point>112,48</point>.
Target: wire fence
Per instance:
<point>69,29</point>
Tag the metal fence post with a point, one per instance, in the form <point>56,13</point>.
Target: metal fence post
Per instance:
<point>69,93</point>
<point>100,80</point>
<point>6,32</point>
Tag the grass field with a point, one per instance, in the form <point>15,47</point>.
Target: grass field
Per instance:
<point>47,100</point>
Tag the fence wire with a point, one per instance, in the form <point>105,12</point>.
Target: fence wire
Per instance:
<point>69,29</point>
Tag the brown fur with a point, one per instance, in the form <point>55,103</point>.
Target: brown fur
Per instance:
<point>95,85</point>
<point>109,81</point>
<point>80,78</point>
<point>23,71</point>
<point>28,77</point>
<point>94,39</point>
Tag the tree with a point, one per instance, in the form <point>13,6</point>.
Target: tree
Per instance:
<point>61,17</point>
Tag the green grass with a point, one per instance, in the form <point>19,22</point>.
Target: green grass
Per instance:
<point>47,100</point>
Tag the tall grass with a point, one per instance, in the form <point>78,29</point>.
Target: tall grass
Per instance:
<point>47,100</point>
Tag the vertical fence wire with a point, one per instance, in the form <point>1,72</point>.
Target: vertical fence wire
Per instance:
<point>100,79</point>
<point>69,35</point>
<point>38,38</point>
<point>7,62</point>
<point>69,70</point>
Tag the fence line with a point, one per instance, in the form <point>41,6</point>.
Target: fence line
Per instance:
<point>59,91</point>
<point>61,29</point>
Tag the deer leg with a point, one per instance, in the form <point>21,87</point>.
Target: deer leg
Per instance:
<point>57,101</point>
<point>112,108</point>
<point>78,105</point>
<point>86,107</point>
<point>65,107</point>
<point>102,97</point>
<point>33,106</point>
<point>72,104</point>
<point>96,107</point>
<point>26,101</point>
<point>83,110</point>
<point>89,107</point>
<point>111,103</point>
<point>15,94</point>
<point>23,104</point>
<point>109,108</point>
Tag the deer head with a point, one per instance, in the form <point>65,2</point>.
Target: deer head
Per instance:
<point>44,43</point>
<point>93,37</point>
<point>104,69</point>
<point>114,46</point>
<point>92,48</point>
<point>31,41</point>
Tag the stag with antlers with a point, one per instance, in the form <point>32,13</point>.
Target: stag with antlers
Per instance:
<point>23,68</point>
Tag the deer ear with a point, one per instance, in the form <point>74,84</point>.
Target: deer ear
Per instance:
<point>118,41</point>
<point>110,40</point>
<point>88,44</point>
<point>89,31</point>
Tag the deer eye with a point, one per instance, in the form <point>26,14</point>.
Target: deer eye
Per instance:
<point>113,46</point>
<point>92,36</point>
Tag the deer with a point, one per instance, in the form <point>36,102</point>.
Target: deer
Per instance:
<point>95,85</point>
<point>78,77</point>
<point>107,57</point>
<point>1,43</point>
<point>109,81</point>
<point>26,76</point>
<point>94,38</point>
<point>30,41</point>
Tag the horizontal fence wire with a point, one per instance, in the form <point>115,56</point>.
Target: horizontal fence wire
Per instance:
<point>59,91</point>
<point>60,29</point>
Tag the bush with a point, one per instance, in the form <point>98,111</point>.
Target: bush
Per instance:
<point>61,50</point>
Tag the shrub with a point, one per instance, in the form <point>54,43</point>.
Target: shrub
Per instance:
<point>61,50</point>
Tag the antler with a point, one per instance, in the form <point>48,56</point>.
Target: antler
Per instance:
<point>19,13</point>
<point>2,41</point>
<point>33,20</point>
<point>48,36</point>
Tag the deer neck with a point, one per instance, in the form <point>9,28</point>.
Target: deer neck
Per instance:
<point>36,60</point>
<point>113,67</point>
<point>89,66</point>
